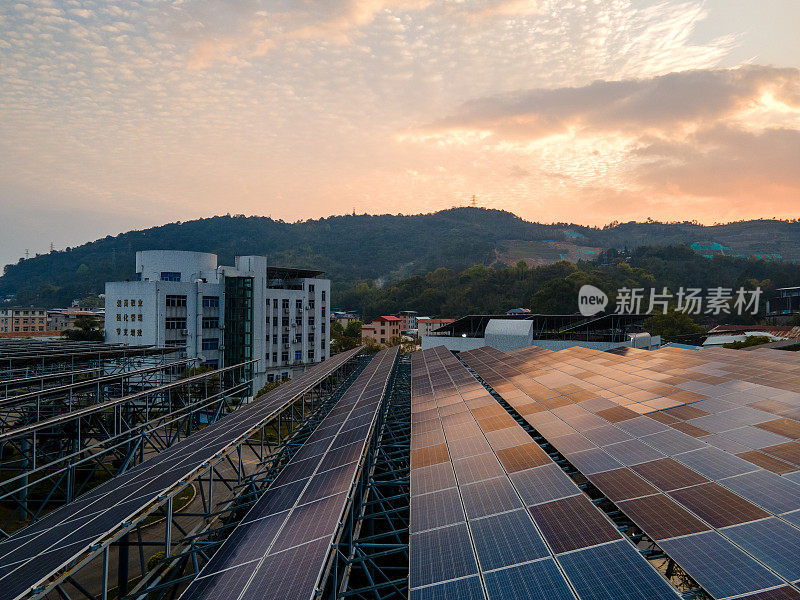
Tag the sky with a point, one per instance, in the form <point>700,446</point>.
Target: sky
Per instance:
<point>119,115</point>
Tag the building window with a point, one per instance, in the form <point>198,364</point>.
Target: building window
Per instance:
<point>210,323</point>
<point>270,378</point>
<point>274,321</point>
<point>119,317</point>
<point>176,301</point>
<point>125,302</point>
<point>285,304</point>
<point>310,338</point>
<point>285,356</point>
<point>285,338</point>
<point>297,355</point>
<point>323,295</point>
<point>210,343</point>
<point>323,312</point>
<point>311,322</point>
<point>311,303</point>
<point>298,305</point>
<point>311,288</point>
<point>310,355</point>
<point>285,321</point>
<point>119,302</point>
<point>322,344</point>
<point>274,357</point>
<point>170,276</point>
<point>140,302</point>
<point>210,301</point>
<point>140,318</point>
<point>322,328</point>
<point>274,338</point>
<point>174,323</point>
<point>175,343</point>
<point>275,303</point>
<point>119,331</point>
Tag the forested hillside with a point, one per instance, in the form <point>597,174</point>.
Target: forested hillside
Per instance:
<point>375,251</point>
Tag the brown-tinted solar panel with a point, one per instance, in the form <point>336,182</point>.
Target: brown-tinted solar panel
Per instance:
<point>718,506</point>
<point>556,402</point>
<point>496,422</point>
<point>668,474</point>
<point>524,456</point>
<point>528,408</point>
<point>607,434</point>
<point>789,451</point>
<point>689,429</point>
<point>786,427</point>
<point>572,523</point>
<point>430,455</point>
<point>781,593</point>
<point>661,518</point>
<point>621,484</point>
<point>663,418</point>
<point>617,414</point>
<point>770,463</point>
<point>772,406</point>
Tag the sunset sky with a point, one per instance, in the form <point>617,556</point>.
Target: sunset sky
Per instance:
<point>117,115</point>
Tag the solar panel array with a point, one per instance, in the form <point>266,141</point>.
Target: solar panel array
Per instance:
<point>676,438</point>
<point>280,548</point>
<point>36,552</point>
<point>492,517</point>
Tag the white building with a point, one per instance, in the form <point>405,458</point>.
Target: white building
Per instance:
<point>223,315</point>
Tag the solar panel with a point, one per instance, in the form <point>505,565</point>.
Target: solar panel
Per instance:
<point>773,542</point>
<point>614,570</point>
<point>436,509</point>
<point>668,474</point>
<point>661,518</point>
<point>278,578</point>
<point>717,506</point>
<point>543,484</point>
<point>433,478</point>
<point>441,554</point>
<point>632,452</point>
<point>247,542</point>
<point>774,493</point>
<point>524,456</point>
<point>467,588</point>
<point>507,539</point>
<point>621,484</point>
<point>593,461</point>
<point>489,497</point>
<point>477,468</point>
<point>781,593</point>
<point>672,442</point>
<point>539,579</point>
<point>607,434</point>
<point>719,566</point>
<point>572,523</point>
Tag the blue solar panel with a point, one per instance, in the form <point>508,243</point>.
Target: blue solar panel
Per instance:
<point>771,491</point>
<point>440,555</point>
<point>249,541</point>
<point>544,484</point>
<point>717,565</point>
<point>224,584</point>
<point>489,497</point>
<point>507,539</point>
<point>468,588</point>
<point>540,580</point>
<point>477,468</point>
<point>773,542</point>
<point>614,571</point>
<point>279,578</point>
<point>435,477</point>
<point>593,461</point>
<point>436,509</point>
<point>715,463</point>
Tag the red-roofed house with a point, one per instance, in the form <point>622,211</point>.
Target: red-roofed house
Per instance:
<point>382,329</point>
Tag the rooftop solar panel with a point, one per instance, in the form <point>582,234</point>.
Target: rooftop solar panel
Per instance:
<point>440,555</point>
<point>621,484</point>
<point>781,593</point>
<point>773,542</point>
<point>543,484</point>
<point>668,474</point>
<point>430,479</point>
<point>774,493</point>
<point>489,497</point>
<point>467,588</point>
<point>661,517</point>
<point>278,578</point>
<point>714,463</point>
<point>716,505</point>
<point>593,461</point>
<point>632,452</point>
<point>507,539</point>
<point>719,566</point>
<point>572,523</point>
<point>616,571</point>
<point>436,509</point>
<point>539,579</point>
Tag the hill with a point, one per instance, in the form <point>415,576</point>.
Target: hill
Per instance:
<point>379,248</point>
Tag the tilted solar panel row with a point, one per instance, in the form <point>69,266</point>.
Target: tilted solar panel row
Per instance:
<point>629,458</point>
<point>492,515</point>
<point>41,550</point>
<point>280,548</point>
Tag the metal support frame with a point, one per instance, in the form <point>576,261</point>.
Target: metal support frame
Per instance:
<point>171,543</point>
<point>370,560</point>
<point>648,548</point>
<point>44,466</point>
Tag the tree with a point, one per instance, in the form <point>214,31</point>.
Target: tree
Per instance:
<point>748,342</point>
<point>674,326</point>
<point>87,329</point>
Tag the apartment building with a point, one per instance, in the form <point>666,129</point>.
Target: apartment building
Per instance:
<point>23,320</point>
<point>427,325</point>
<point>382,329</point>
<point>223,314</point>
<point>64,319</point>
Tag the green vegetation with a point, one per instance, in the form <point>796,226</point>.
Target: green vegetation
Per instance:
<point>345,338</point>
<point>271,386</point>
<point>364,251</point>
<point>554,288</point>
<point>675,326</point>
<point>748,342</point>
<point>87,329</point>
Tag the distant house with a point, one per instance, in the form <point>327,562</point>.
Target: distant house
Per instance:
<point>726,334</point>
<point>426,325</point>
<point>64,320</point>
<point>344,318</point>
<point>381,329</point>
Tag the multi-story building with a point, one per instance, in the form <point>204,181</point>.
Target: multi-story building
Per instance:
<point>64,319</point>
<point>427,325</point>
<point>382,329</point>
<point>223,315</point>
<point>408,320</point>
<point>23,320</point>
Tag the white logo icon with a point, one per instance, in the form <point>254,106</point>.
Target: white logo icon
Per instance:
<point>591,300</point>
